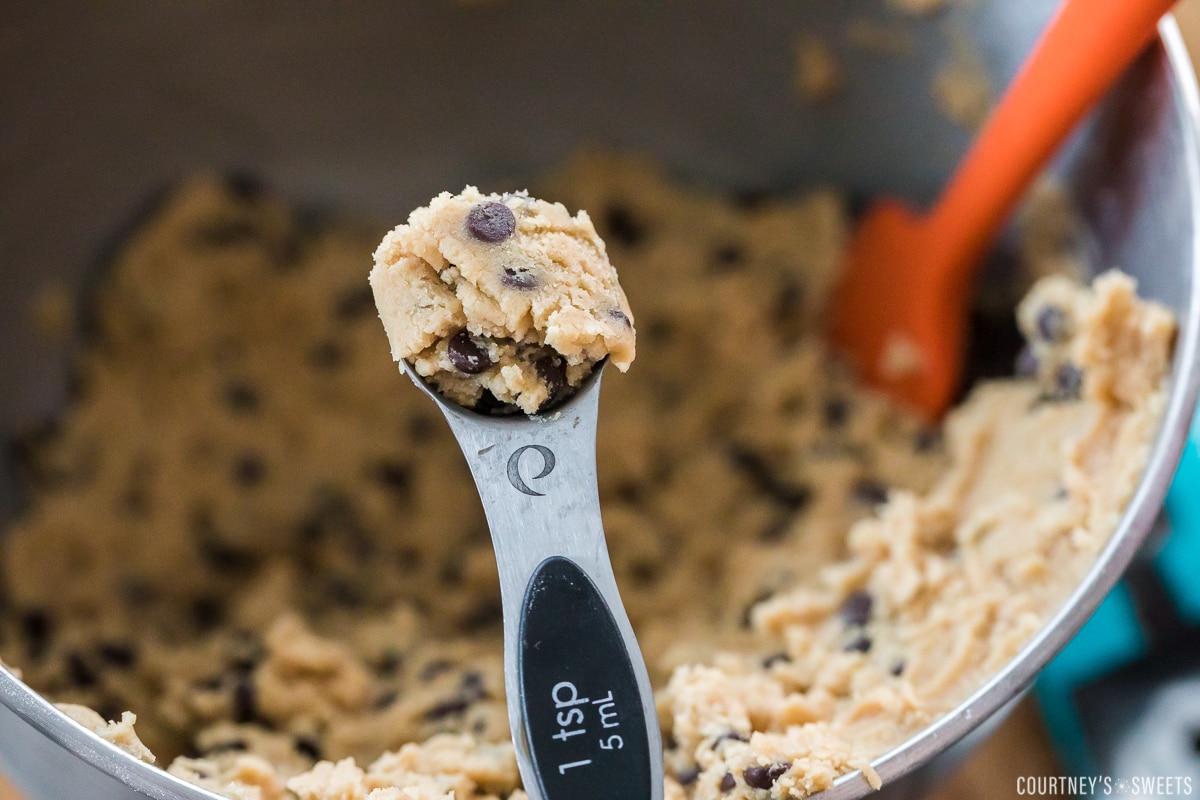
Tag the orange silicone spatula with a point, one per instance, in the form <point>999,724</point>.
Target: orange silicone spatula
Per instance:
<point>900,309</point>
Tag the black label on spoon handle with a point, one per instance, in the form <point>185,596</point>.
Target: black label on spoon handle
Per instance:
<point>583,712</point>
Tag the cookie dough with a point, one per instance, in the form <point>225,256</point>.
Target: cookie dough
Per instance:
<point>501,299</point>
<point>250,533</point>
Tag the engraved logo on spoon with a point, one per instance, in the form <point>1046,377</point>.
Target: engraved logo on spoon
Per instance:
<point>514,468</point>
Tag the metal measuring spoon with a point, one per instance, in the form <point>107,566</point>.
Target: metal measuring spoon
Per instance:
<point>579,701</point>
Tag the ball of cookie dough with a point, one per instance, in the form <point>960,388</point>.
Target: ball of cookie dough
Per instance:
<point>501,299</point>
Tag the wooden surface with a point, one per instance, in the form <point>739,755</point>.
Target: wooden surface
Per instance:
<point>1020,746</point>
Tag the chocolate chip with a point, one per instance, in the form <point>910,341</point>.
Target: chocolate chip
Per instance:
<point>451,573</point>
<point>688,776</point>
<point>249,470</point>
<point>231,746</point>
<point>207,612</point>
<point>118,654</point>
<point>467,355</point>
<point>869,492</point>
<point>473,685</point>
<point>787,304</point>
<point>856,608</point>
<point>408,559</point>
<point>491,222</point>
<point>209,684</point>
<point>776,658</point>
<point>486,614</point>
<point>659,331</point>
<point>897,668</point>
<point>760,777</point>
<point>447,708</point>
<point>216,553</point>
<point>390,662</point>
<point>420,428</point>
<point>385,700</point>
<point>926,439</point>
<point>727,256</point>
<point>135,591</point>
<point>835,412</point>
<point>1068,382</point>
<point>621,317</point>
<point>225,558</point>
<point>1052,324</point>
<point>344,593</point>
<point>518,279</point>
<point>644,571</point>
<point>355,303</point>
<point>248,654</point>
<point>326,355</point>
<point>730,736</point>
<point>748,612</point>
<point>488,403</point>
<point>1027,363</point>
<point>727,782</point>
<point>435,668</point>
<point>553,373</point>
<point>79,672</point>
<point>622,226</point>
<point>241,398</point>
<point>36,629</point>
<point>859,644</point>
<point>793,497</point>
<point>245,700</point>
<point>307,746</point>
<point>394,476</point>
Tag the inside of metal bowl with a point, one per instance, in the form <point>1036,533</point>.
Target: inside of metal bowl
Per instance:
<point>373,111</point>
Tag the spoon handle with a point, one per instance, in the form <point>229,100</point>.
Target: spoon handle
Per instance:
<point>1086,46</point>
<point>579,699</point>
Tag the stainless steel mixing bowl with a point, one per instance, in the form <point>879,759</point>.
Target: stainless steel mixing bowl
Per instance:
<point>376,106</point>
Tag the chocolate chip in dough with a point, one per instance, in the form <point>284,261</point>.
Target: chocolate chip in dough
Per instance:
<point>760,777</point>
<point>1027,363</point>
<point>241,398</point>
<point>467,355</point>
<point>856,608</point>
<point>859,644</point>
<point>776,658</point>
<point>1068,382</point>
<point>518,279</point>
<point>727,256</point>
<point>835,412</point>
<point>249,470</point>
<point>354,304</point>
<point>727,782</point>
<point>491,222</point>
<point>1052,324</point>
<point>326,355</point>
<point>620,316</point>
<point>870,492</point>
<point>622,226</point>
<point>79,672</point>
<point>307,746</point>
<point>117,654</point>
<point>36,629</point>
<point>688,776</point>
<point>245,700</point>
<point>553,373</point>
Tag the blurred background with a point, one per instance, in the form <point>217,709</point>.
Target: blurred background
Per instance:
<point>1021,746</point>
